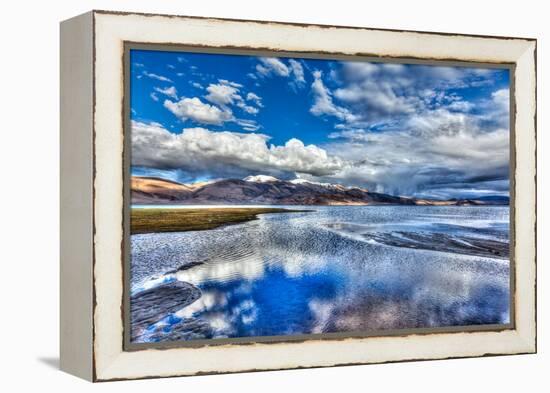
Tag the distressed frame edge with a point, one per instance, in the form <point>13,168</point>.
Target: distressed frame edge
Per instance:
<point>305,25</point>
<point>528,229</point>
<point>76,196</point>
<point>529,348</point>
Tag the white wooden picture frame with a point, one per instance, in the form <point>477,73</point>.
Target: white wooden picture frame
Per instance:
<point>92,194</point>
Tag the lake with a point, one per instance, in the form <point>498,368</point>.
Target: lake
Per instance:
<point>333,269</point>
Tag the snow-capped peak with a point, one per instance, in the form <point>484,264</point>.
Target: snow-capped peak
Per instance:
<point>304,181</point>
<point>260,179</point>
<point>300,181</point>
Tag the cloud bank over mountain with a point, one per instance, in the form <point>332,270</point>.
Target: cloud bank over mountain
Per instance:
<point>226,153</point>
<point>417,130</point>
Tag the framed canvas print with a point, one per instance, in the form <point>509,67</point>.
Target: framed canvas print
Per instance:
<point>245,195</point>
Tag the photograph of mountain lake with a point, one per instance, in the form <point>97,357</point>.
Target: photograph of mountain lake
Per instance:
<point>282,197</point>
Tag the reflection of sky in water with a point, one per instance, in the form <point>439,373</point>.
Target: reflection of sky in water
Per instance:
<point>302,273</point>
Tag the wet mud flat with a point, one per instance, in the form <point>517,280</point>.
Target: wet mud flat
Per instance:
<point>467,245</point>
<point>150,307</point>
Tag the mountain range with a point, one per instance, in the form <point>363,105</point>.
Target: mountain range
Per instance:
<point>268,190</point>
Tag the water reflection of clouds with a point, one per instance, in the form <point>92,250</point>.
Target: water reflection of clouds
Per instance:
<point>322,313</point>
<point>252,267</point>
<point>248,269</point>
<point>260,309</point>
<point>319,304</point>
<point>433,298</point>
<point>377,296</point>
<point>205,302</point>
<point>296,276</point>
<point>375,299</point>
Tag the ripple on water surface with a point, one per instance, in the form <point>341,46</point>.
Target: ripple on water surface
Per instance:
<point>337,269</point>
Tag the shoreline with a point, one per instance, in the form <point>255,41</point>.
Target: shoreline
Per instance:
<point>156,220</point>
<point>290,207</point>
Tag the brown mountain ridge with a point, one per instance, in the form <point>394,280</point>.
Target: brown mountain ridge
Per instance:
<point>266,190</point>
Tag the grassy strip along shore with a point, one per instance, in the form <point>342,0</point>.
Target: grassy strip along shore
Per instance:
<point>150,220</point>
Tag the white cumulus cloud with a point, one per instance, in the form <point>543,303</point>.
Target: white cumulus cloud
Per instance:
<point>156,76</point>
<point>227,93</point>
<point>198,149</point>
<point>254,98</point>
<point>222,94</point>
<point>196,110</point>
<point>270,65</point>
<point>273,66</point>
<point>169,91</point>
<point>323,103</point>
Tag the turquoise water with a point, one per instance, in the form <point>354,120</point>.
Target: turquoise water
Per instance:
<point>334,269</point>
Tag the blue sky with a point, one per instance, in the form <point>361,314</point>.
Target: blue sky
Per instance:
<point>417,130</point>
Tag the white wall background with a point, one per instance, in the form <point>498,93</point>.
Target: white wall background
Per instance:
<point>29,195</point>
